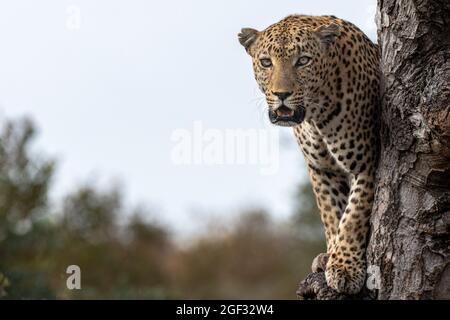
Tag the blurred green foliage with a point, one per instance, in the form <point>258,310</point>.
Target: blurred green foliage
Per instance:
<point>252,256</point>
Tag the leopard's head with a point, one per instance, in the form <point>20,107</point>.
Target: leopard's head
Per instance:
<point>291,63</point>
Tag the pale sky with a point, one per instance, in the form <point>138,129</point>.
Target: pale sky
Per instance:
<point>108,82</point>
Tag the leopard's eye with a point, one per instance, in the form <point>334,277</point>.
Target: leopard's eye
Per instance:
<point>302,61</point>
<point>265,62</point>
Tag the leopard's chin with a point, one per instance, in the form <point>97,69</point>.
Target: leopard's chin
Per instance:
<point>285,117</point>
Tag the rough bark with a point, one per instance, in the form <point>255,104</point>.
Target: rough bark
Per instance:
<point>410,223</point>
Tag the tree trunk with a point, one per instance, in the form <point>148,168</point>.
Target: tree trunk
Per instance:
<point>410,237</point>
<point>409,249</point>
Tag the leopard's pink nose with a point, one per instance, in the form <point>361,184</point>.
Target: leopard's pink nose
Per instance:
<point>282,95</point>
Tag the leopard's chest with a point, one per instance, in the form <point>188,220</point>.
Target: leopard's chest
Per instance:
<point>313,145</point>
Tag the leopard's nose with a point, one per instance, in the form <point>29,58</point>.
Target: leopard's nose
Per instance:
<point>282,95</point>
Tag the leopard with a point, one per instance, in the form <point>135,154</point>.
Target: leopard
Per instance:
<point>321,76</point>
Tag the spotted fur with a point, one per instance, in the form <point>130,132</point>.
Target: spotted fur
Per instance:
<point>335,95</point>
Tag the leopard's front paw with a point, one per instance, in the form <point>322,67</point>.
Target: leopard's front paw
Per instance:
<point>319,263</point>
<point>345,277</point>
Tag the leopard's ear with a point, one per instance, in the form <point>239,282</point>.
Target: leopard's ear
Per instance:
<point>247,38</point>
<point>327,34</point>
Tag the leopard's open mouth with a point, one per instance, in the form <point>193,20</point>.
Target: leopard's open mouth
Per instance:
<point>284,116</point>
<point>284,112</point>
